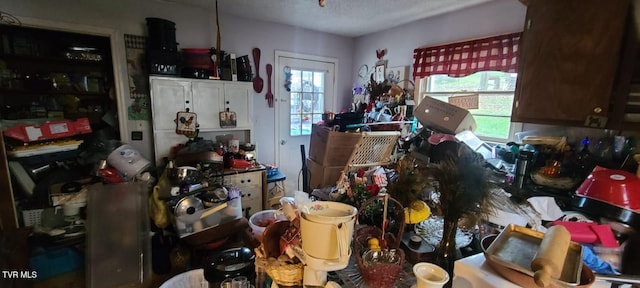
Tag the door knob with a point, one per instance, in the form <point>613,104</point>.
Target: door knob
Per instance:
<point>282,142</point>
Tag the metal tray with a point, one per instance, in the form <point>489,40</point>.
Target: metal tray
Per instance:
<point>516,246</point>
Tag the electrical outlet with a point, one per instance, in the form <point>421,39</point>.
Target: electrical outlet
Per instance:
<point>136,135</point>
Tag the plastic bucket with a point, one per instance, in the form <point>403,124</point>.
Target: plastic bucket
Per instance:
<point>128,161</point>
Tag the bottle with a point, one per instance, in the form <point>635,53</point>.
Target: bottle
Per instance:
<point>523,165</point>
<point>584,159</point>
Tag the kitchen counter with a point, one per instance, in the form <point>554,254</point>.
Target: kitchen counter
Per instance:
<point>473,271</point>
<point>256,167</point>
<point>469,272</point>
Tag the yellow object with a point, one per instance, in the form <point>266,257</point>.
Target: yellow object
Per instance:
<point>374,244</point>
<point>416,212</point>
<point>158,208</point>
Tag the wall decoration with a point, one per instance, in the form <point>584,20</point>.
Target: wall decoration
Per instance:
<point>228,119</point>
<point>187,123</point>
<point>379,74</point>
<point>139,109</point>
<point>380,53</point>
<point>136,66</point>
<point>469,101</point>
<point>398,75</point>
<point>287,78</point>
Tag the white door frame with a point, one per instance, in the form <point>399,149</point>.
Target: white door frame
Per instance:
<point>118,60</point>
<point>278,80</point>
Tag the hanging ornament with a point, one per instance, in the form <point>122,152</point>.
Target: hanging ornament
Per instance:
<point>287,78</point>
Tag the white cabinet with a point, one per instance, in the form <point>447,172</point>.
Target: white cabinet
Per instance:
<point>206,98</point>
<point>251,184</point>
<point>206,103</point>
<point>236,97</point>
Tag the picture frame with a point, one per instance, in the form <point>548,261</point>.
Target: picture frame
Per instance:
<point>398,75</point>
<point>379,73</point>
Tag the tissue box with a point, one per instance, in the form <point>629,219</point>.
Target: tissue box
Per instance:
<point>443,116</point>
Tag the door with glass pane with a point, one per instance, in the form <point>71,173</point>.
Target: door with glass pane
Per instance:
<point>306,92</point>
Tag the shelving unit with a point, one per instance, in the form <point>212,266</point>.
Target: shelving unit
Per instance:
<point>54,74</point>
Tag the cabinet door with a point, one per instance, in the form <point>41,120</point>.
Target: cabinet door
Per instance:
<point>163,141</point>
<point>250,183</point>
<point>568,58</point>
<point>168,97</point>
<point>207,96</point>
<point>237,97</point>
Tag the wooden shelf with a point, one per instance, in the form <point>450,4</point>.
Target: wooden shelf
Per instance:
<point>52,92</point>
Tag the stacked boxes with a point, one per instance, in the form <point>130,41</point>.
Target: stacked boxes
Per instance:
<point>328,155</point>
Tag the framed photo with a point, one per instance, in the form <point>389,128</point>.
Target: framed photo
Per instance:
<point>398,75</point>
<point>379,74</point>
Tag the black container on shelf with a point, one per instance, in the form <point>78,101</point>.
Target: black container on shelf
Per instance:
<point>164,62</point>
<point>162,35</point>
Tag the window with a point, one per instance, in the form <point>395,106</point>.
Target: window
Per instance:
<point>493,91</point>
<point>307,100</point>
<point>485,72</point>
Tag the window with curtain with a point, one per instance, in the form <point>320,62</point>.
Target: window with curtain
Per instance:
<point>478,75</point>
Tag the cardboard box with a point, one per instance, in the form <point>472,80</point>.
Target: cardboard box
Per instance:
<point>322,176</point>
<point>332,148</point>
<point>444,117</point>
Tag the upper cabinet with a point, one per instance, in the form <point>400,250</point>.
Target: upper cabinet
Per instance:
<point>206,98</point>
<point>54,74</point>
<point>569,57</point>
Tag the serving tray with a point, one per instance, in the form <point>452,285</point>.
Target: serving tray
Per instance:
<point>516,246</point>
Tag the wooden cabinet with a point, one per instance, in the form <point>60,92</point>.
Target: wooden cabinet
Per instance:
<point>207,98</point>
<point>626,104</point>
<point>568,61</point>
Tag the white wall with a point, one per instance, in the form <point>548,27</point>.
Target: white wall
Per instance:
<point>195,27</point>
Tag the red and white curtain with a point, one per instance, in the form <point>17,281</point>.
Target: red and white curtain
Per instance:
<point>496,53</point>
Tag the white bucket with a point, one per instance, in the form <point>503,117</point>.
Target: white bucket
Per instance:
<point>128,161</point>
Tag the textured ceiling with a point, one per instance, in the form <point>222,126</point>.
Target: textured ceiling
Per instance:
<point>342,17</point>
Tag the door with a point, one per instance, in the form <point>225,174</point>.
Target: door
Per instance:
<point>307,90</point>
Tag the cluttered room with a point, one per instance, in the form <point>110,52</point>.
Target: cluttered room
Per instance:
<point>179,144</point>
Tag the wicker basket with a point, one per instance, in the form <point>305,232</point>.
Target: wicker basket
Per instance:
<point>381,274</point>
<point>282,274</point>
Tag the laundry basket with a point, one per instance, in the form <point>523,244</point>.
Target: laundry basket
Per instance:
<point>374,149</point>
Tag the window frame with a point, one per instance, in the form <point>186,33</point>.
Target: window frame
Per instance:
<point>515,127</point>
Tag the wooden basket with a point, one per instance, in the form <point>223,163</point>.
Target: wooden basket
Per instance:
<point>381,274</point>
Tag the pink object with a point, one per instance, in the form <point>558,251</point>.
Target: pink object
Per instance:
<point>586,232</point>
<point>616,187</point>
<point>438,138</point>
